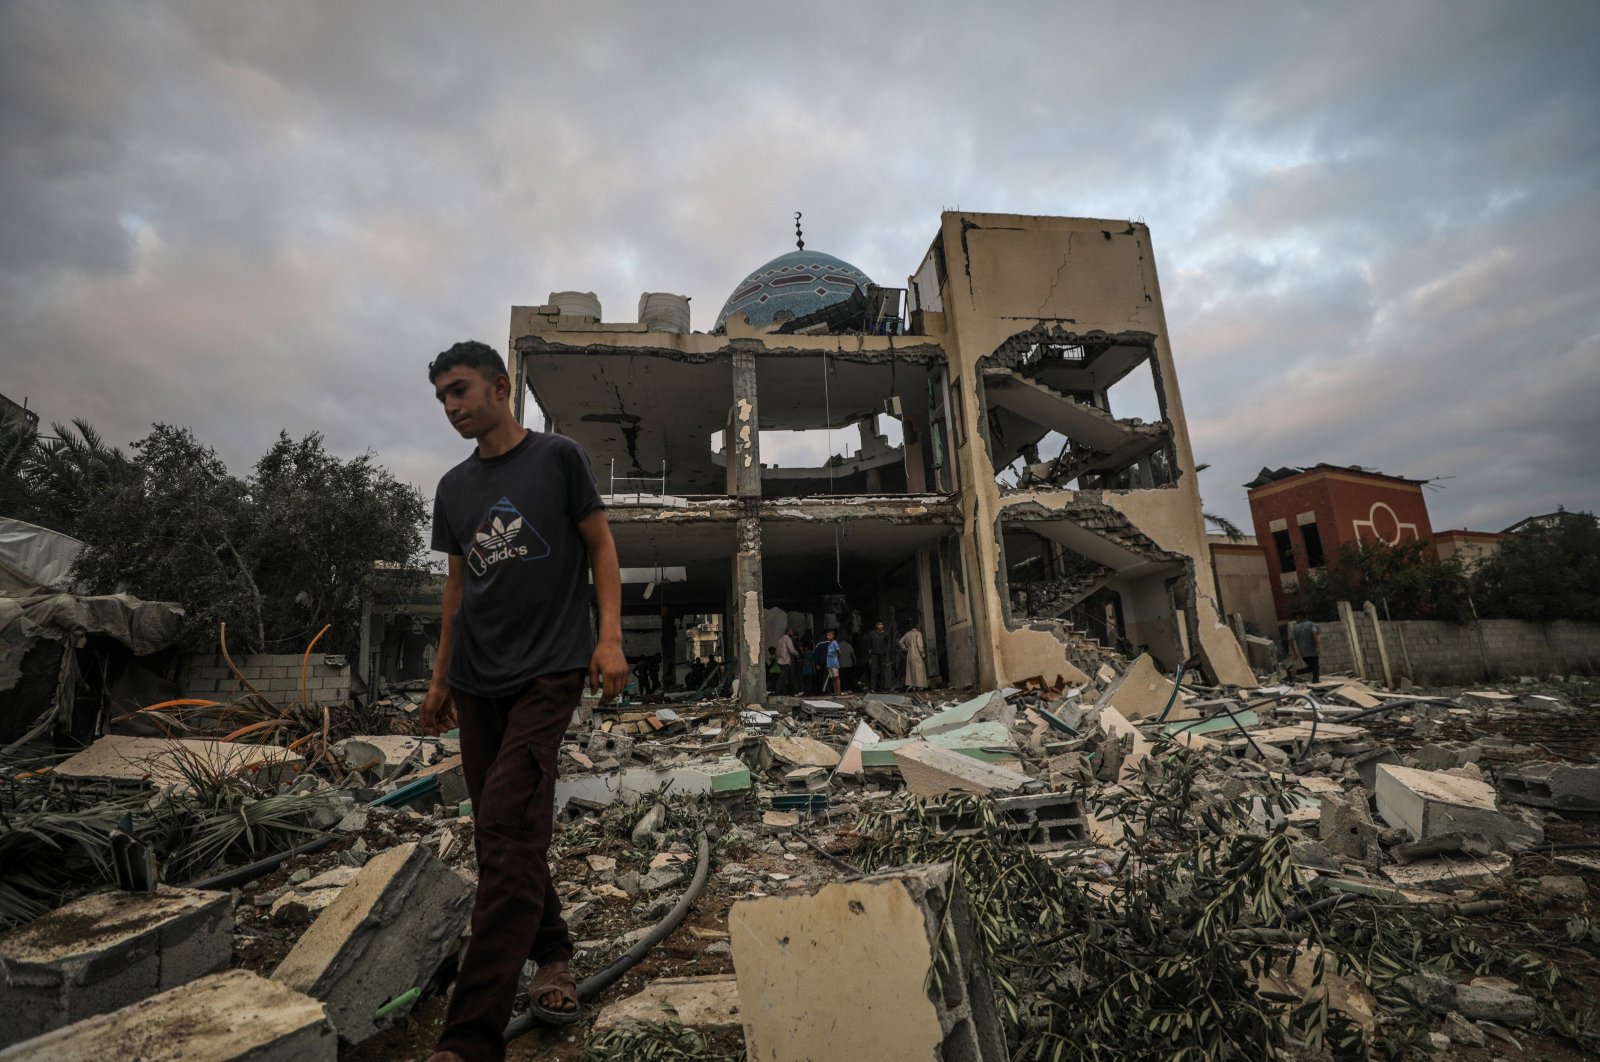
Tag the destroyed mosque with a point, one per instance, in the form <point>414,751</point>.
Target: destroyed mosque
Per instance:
<point>1012,510</point>
<point>1096,833</point>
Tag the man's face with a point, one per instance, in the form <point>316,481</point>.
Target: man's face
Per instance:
<point>473,402</point>
<point>877,626</point>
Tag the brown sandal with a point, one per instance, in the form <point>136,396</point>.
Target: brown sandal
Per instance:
<point>555,977</point>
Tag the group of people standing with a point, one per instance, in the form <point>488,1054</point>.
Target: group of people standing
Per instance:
<point>832,665</point>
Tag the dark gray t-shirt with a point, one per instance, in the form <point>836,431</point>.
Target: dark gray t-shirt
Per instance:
<point>513,520</point>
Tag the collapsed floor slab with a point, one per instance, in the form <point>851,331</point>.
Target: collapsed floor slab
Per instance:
<point>163,762</point>
<point>387,932</point>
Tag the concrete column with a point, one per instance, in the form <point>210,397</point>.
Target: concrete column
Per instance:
<point>1348,618</point>
<point>1383,650</point>
<point>930,635</point>
<point>744,458</point>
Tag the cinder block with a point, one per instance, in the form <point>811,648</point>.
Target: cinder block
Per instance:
<point>106,951</point>
<point>850,973</point>
<point>387,933</point>
<point>1043,820</point>
<point>234,1016</point>
<point>1553,785</point>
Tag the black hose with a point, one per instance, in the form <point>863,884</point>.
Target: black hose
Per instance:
<point>1235,720</point>
<point>596,983</point>
<point>814,846</point>
<point>239,875</point>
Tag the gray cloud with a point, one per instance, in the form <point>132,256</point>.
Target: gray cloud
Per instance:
<point>1377,226</point>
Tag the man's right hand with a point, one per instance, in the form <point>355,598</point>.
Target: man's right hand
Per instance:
<point>438,713</point>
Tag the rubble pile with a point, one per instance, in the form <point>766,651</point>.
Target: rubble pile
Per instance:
<point>1132,867</point>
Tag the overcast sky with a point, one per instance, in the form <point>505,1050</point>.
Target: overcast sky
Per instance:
<point>1377,225</point>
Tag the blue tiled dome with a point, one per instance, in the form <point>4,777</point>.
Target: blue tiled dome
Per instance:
<point>801,282</point>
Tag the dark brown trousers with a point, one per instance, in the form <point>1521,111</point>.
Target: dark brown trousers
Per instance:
<point>508,755</point>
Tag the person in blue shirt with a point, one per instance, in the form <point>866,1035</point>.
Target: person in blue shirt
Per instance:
<point>830,648</point>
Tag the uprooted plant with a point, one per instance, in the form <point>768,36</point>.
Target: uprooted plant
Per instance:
<point>55,835</point>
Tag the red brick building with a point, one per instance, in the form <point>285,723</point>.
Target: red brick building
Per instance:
<point>1303,516</point>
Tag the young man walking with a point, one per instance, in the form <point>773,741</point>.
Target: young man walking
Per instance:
<point>522,524</point>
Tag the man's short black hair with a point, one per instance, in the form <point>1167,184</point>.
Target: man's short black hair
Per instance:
<point>473,355</point>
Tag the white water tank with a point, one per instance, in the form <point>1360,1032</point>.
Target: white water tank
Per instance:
<point>661,312</point>
<point>576,303</point>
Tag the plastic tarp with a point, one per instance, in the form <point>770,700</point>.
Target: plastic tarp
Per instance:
<point>32,556</point>
<point>145,627</point>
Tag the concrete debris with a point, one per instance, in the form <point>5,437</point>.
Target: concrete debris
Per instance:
<point>801,752</point>
<point>1142,692</point>
<point>844,973</point>
<point>164,762</point>
<point>720,775</point>
<point>710,1003</point>
<point>932,771</point>
<point>234,1016</point>
<point>1431,800</point>
<point>1432,803</point>
<point>107,951</point>
<point>1553,785</point>
<point>989,708</point>
<point>387,932</point>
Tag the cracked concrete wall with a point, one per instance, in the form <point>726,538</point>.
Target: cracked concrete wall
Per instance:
<point>1008,274</point>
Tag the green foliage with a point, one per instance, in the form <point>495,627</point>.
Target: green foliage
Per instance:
<point>1158,956</point>
<point>1147,965</point>
<point>1404,582</point>
<point>1544,573</point>
<point>657,1042</point>
<point>55,837</point>
<point>55,481</point>
<point>319,524</point>
<point>274,556</point>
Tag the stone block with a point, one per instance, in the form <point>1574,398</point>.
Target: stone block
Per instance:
<point>801,752</point>
<point>234,1016</point>
<point>452,779</point>
<point>988,708</point>
<point>710,1003</point>
<point>1571,786</point>
<point>1443,755</point>
<point>1346,828</point>
<point>1431,804</point>
<point>1492,1003</point>
<point>847,973</point>
<point>603,744</point>
<point>106,951</point>
<point>891,717</point>
<point>929,771</point>
<point>387,932</point>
